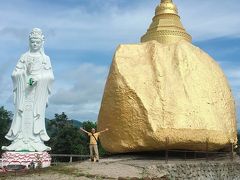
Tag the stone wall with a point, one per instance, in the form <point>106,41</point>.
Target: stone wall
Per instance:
<point>200,171</point>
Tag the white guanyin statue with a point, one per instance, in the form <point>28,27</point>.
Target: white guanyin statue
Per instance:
<point>32,79</point>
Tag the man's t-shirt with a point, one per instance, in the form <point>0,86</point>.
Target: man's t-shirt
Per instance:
<point>92,139</point>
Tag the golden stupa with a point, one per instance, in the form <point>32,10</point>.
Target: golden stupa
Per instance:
<point>166,93</point>
<point>166,26</point>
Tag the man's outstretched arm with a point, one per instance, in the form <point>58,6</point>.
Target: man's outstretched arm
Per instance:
<point>104,130</point>
<point>84,130</point>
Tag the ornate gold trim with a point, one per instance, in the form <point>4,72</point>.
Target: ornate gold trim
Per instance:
<point>166,26</point>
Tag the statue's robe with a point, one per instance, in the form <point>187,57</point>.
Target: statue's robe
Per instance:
<point>24,138</point>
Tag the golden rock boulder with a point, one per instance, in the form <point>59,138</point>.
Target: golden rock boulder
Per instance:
<point>160,93</point>
<point>157,91</point>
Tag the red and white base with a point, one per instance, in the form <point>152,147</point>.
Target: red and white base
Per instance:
<point>41,159</point>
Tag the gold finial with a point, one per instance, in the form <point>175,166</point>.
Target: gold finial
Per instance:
<point>166,7</point>
<point>166,26</point>
<point>166,1</point>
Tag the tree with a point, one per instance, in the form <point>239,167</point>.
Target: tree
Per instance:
<point>5,122</point>
<point>88,125</point>
<point>65,138</point>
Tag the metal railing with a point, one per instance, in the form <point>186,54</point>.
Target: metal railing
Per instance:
<point>206,154</point>
<point>71,156</point>
<point>1,161</point>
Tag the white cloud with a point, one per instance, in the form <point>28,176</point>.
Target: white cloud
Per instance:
<point>233,72</point>
<point>111,25</point>
<point>233,75</point>
<point>82,91</point>
<point>210,19</point>
<point>5,83</point>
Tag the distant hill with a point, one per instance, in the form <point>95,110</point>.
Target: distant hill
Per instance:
<point>76,123</point>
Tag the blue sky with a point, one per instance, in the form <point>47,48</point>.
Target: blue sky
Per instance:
<point>82,35</point>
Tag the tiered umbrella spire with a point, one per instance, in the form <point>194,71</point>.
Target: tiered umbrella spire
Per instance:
<point>166,26</point>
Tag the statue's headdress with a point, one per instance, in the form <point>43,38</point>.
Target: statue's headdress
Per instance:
<point>36,34</point>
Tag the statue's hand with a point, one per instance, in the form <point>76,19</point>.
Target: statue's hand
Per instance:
<point>33,81</point>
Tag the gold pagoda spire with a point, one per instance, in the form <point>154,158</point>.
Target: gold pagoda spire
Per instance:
<point>166,26</point>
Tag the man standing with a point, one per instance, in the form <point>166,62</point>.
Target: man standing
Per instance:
<point>93,142</point>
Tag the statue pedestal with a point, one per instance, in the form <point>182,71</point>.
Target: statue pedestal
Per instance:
<point>42,159</point>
